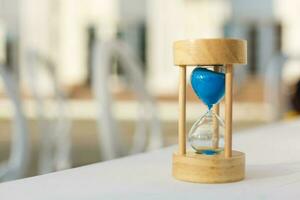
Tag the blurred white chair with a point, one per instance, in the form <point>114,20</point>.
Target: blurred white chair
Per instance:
<point>274,86</point>
<point>55,153</point>
<point>18,162</point>
<point>110,136</point>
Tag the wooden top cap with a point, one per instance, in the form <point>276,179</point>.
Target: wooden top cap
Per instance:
<point>210,52</point>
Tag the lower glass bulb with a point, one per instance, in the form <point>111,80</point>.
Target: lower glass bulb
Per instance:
<point>207,134</point>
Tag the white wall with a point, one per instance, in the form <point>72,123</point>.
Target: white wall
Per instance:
<point>57,29</point>
<point>2,42</point>
<point>171,20</point>
<point>287,11</point>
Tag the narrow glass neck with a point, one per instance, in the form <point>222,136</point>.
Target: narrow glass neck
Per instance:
<point>210,106</point>
<point>209,113</point>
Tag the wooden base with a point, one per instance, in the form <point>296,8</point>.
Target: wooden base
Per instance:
<point>199,168</point>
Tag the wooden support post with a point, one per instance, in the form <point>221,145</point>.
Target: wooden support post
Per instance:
<point>228,111</point>
<point>216,110</point>
<point>182,111</point>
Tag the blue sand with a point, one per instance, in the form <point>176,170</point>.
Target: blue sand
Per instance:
<point>208,85</point>
<point>209,152</point>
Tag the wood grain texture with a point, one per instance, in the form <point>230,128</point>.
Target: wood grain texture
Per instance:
<point>228,110</point>
<point>182,110</point>
<point>200,168</point>
<point>207,52</point>
<point>216,110</point>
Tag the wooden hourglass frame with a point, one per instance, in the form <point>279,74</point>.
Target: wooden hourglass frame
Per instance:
<point>228,166</point>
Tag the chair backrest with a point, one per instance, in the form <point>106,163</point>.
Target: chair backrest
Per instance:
<point>55,152</point>
<point>110,135</point>
<point>18,162</point>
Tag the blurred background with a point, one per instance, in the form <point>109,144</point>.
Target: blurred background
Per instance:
<point>84,81</point>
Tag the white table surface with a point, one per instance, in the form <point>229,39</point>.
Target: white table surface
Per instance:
<point>273,172</point>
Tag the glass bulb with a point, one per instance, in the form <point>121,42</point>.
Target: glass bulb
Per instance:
<point>207,134</point>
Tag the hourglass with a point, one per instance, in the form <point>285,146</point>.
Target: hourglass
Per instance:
<point>211,159</point>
